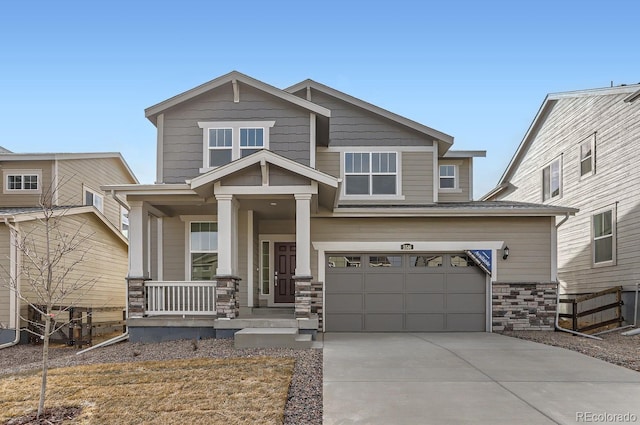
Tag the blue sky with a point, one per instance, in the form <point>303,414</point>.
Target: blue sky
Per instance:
<point>75,76</point>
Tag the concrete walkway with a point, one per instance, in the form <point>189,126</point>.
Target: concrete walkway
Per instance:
<point>470,378</point>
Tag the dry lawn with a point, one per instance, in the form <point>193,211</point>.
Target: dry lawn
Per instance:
<point>197,391</point>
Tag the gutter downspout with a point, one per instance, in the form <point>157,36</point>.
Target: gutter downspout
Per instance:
<point>16,298</point>
<point>125,335</point>
<point>557,320</point>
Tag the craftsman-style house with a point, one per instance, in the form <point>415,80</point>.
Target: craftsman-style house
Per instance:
<point>266,198</point>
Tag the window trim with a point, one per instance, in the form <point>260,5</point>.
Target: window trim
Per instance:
<point>189,265</point>
<point>558,159</point>
<point>95,194</point>
<point>591,140</point>
<point>371,197</point>
<point>22,173</point>
<point>124,221</point>
<point>235,126</point>
<point>614,236</point>
<point>456,178</point>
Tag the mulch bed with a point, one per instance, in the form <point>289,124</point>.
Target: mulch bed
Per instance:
<point>54,415</point>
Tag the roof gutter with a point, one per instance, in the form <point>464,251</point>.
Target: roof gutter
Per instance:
<point>13,276</point>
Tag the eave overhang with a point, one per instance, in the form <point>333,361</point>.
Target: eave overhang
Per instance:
<point>233,78</point>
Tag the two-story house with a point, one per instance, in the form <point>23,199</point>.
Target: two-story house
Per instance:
<point>70,183</point>
<point>261,192</point>
<point>579,151</point>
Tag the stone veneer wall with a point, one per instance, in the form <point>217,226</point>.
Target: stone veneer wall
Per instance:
<point>523,306</point>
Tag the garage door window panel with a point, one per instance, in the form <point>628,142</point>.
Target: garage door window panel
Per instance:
<point>385,261</point>
<point>425,261</point>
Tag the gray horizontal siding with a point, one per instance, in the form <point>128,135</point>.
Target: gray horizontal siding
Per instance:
<point>183,139</point>
<point>617,129</point>
<point>529,238</point>
<point>353,126</point>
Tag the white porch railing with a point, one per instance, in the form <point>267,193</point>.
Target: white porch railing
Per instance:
<point>188,298</point>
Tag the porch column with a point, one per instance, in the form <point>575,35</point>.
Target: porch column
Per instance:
<point>303,256</point>
<point>138,258</point>
<point>227,302</point>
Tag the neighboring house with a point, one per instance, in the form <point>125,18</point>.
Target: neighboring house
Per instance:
<point>72,182</point>
<point>262,191</point>
<point>581,151</point>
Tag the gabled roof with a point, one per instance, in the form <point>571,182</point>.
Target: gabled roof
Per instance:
<point>445,139</point>
<point>547,105</point>
<point>4,150</point>
<point>258,158</point>
<point>152,112</point>
<point>16,215</point>
<point>10,156</point>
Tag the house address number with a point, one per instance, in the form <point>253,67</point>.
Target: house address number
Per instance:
<point>406,247</point>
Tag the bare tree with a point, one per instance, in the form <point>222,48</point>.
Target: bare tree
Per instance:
<point>48,278</point>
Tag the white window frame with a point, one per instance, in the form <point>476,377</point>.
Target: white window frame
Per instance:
<point>371,197</point>
<point>22,174</point>
<point>191,251</point>
<point>592,158</point>
<point>613,236</point>
<point>124,221</point>
<point>455,177</point>
<point>542,179</point>
<point>95,196</point>
<point>235,126</point>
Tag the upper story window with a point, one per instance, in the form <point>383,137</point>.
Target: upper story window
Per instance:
<point>23,181</point>
<point>551,180</point>
<point>93,198</point>
<point>604,238</point>
<point>371,173</point>
<point>587,156</point>
<point>448,177</point>
<point>227,141</point>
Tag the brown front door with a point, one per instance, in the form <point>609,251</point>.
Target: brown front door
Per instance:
<point>285,265</point>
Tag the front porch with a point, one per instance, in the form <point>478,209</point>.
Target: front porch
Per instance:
<point>191,310</point>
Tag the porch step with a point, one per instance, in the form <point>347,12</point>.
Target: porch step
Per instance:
<point>271,337</point>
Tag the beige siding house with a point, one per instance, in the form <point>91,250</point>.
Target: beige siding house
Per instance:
<point>265,193</point>
<point>580,151</point>
<point>71,183</point>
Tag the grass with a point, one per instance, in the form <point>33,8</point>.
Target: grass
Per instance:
<point>197,391</point>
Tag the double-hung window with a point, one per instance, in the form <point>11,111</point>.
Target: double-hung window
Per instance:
<point>448,177</point>
<point>587,156</point>
<point>371,173</point>
<point>203,250</point>
<point>22,181</point>
<point>551,180</point>
<point>604,237</point>
<point>227,141</point>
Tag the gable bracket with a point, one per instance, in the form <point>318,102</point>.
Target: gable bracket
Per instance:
<point>265,172</point>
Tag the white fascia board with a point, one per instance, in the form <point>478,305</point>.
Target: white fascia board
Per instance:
<point>150,189</point>
<point>228,78</point>
<point>426,212</point>
<point>256,158</point>
<point>62,212</point>
<point>465,154</point>
<point>395,246</point>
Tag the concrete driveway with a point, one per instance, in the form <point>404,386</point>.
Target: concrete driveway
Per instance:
<point>470,378</point>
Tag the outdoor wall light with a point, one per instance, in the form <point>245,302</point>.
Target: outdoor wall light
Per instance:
<point>505,252</point>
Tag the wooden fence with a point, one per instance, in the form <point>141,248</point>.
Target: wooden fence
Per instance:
<point>75,329</point>
<point>593,311</point>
